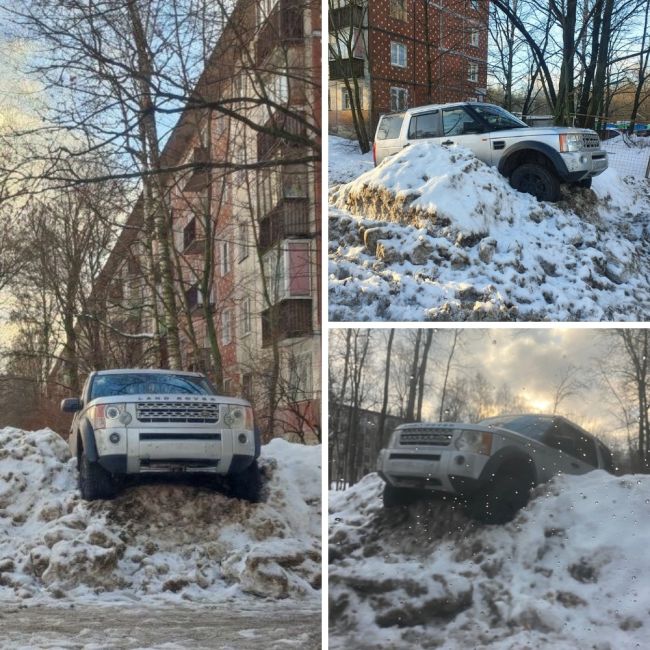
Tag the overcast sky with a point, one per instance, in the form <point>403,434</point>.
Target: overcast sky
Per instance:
<point>531,362</point>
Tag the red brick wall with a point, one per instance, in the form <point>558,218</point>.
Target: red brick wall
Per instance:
<point>448,27</point>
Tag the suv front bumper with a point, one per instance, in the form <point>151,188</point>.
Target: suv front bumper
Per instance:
<point>584,164</point>
<point>433,468</point>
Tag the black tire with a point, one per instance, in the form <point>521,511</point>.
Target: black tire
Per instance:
<point>537,180</point>
<point>500,501</point>
<point>585,183</point>
<point>395,496</point>
<point>247,485</point>
<point>94,481</point>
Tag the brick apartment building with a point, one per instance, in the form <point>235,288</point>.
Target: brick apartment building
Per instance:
<point>244,205</point>
<point>405,53</point>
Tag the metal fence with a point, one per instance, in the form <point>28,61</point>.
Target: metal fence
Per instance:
<point>629,155</point>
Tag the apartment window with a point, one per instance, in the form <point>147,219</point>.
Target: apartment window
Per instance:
<point>265,8</point>
<point>398,99</point>
<point>346,101</point>
<point>398,9</point>
<point>247,386</point>
<point>287,270</point>
<point>227,387</point>
<point>472,72</point>
<point>473,38</point>
<point>246,317</point>
<point>300,377</point>
<point>398,54</point>
<point>225,258</point>
<point>226,326</point>
<point>243,241</point>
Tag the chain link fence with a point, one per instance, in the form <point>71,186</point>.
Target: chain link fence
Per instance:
<point>629,155</point>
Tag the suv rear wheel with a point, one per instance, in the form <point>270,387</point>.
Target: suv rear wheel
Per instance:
<point>500,501</point>
<point>537,180</point>
<point>94,481</point>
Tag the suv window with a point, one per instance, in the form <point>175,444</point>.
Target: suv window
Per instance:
<point>390,126</point>
<point>457,121</point>
<point>606,454</point>
<point>425,125</point>
<point>147,384</point>
<point>531,426</point>
<point>573,442</point>
<point>498,118</point>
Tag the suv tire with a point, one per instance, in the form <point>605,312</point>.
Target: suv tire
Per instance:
<point>247,485</point>
<point>500,501</point>
<point>94,481</point>
<point>537,180</point>
<point>394,496</point>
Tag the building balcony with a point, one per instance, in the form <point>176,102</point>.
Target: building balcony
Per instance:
<point>278,126</point>
<point>199,176</point>
<point>346,17</point>
<point>290,218</point>
<point>282,28</point>
<point>347,69</point>
<point>288,319</point>
<point>193,238</point>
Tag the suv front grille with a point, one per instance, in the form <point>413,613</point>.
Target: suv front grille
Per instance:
<point>425,437</point>
<point>590,141</point>
<point>177,412</point>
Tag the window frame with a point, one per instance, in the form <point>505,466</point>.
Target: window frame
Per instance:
<point>398,48</point>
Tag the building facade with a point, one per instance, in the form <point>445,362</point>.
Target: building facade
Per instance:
<point>404,53</point>
<point>240,190</point>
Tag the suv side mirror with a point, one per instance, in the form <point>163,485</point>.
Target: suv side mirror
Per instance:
<point>71,405</point>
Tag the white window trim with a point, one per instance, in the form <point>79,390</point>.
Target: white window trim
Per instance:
<point>246,317</point>
<point>225,258</point>
<point>226,326</point>
<point>474,38</point>
<point>401,47</point>
<point>472,68</point>
<point>406,97</point>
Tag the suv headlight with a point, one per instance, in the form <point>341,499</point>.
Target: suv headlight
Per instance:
<point>476,442</point>
<point>570,142</point>
<point>112,415</point>
<point>238,417</point>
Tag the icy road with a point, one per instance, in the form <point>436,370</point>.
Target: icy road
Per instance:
<point>125,626</point>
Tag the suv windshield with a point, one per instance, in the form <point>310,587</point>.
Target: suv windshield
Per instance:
<point>498,118</point>
<point>531,426</point>
<point>148,384</point>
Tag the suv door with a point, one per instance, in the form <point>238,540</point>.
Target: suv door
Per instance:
<point>425,126</point>
<point>577,451</point>
<point>387,137</point>
<point>460,127</point>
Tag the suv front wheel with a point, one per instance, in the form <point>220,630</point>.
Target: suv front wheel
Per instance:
<point>500,500</point>
<point>94,481</point>
<point>537,180</point>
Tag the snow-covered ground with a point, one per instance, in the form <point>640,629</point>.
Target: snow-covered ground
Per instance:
<point>628,155</point>
<point>435,234</point>
<point>570,572</point>
<point>159,543</point>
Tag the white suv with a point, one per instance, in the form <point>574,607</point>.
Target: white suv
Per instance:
<point>140,421</point>
<point>491,465</point>
<point>536,160</point>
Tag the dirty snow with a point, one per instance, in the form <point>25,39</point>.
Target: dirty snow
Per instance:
<point>568,572</point>
<point>408,244</point>
<point>157,542</point>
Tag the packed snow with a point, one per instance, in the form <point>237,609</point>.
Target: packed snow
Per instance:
<point>158,542</point>
<point>569,572</point>
<point>409,244</point>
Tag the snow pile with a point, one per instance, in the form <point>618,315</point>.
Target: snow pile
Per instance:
<point>435,234</point>
<point>159,539</point>
<point>568,572</point>
<point>345,160</point>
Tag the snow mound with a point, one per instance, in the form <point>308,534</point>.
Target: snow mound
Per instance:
<point>568,572</point>
<point>435,234</point>
<point>163,540</point>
